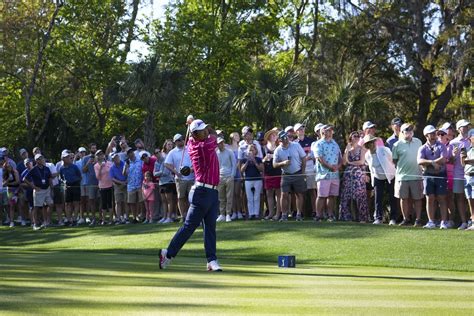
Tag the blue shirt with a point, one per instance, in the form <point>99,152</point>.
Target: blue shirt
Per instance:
<point>78,163</point>
<point>39,176</point>
<point>135,175</point>
<point>391,140</point>
<point>70,174</point>
<point>116,172</point>
<point>251,172</point>
<point>330,152</point>
<point>91,179</point>
<point>20,167</point>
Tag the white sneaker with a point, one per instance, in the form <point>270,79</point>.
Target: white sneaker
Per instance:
<point>430,225</point>
<point>228,218</point>
<point>221,218</point>
<point>164,261</point>
<point>463,226</point>
<point>12,224</point>
<point>377,222</point>
<point>450,224</point>
<point>88,220</point>
<point>80,221</point>
<point>443,225</point>
<point>214,266</point>
<point>239,215</point>
<point>470,227</point>
<point>392,222</point>
<point>36,227</point>
<point>234,216</point>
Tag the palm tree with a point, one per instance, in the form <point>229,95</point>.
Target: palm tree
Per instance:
<point>154,88</point>
<point>268,99</point>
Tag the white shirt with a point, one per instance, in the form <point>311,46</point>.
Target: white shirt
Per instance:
<point>174,158</point>
<point>243,149</point>
<point>53,170</point>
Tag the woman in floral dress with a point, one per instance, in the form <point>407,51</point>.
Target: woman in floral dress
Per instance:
<point>353,181</point>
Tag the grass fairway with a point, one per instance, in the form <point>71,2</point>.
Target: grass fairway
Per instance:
<point>341,269</point>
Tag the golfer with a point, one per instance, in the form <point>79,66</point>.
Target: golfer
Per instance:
<point>203,196</point>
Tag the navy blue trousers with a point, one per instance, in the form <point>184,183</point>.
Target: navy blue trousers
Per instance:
<point>204,207</point>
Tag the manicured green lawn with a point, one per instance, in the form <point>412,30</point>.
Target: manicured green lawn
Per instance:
<point>341,269</point>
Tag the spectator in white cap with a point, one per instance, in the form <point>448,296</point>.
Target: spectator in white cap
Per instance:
<point>84,205</point>
<point>71,177</point>
<point>305,142</point>
<point>238,203</point>
<point>468,162</point>
<point>328,162</point>
<point>317,130</point>
<point>290,131</point>
<point>183,182</point>
<point>227,165</point>
<point>444,137</point>
<point>459,144</point>
<point>20,166</point>
<point>247,140</point>
<point>432,158</point>
<point>408,183</point>
<point>369,129</point>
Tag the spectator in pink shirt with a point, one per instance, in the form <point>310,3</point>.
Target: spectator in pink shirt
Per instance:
<point>203,196</point>
<point>148,189</point>
<point>102,173</point>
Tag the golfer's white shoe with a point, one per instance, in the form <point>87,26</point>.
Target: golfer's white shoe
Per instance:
<point>164,261</point>
<point>213,266</point>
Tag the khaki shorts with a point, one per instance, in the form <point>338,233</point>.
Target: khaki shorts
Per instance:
<point>120,193</point>
<point>134,196</point>
<point>409,189</point>
<point>311,182</point>
<point>83,190</point>
<point>42,197</point>
<point>92,191</point>
<point>183,187</point>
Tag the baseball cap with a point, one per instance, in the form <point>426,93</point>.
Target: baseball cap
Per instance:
<point>397,121</point>
<point>444,128</point>
<point>197,125</point>
<point>38,156</point>
<point>260,136</point>
<point>177,137</point>
<point>246,129</point>
<point>27,160</point>
<point>367,125</point>
<point>462,123</point>
<point>298,126</point>
<point>317,127</point>
<point>220,140</point>
<point>326,127</point>
<point>406,127</point>
<point>289,128</point>
<point>219,132</point>
<point>144,154</point>
<point>113,155</point>
<point>138,140</point>
<point>81,150</point>
<point>36,149</point>
<point>429,129</point>
<point>282,134</point>
<point>22,151</point>
<point>471,132</point>
<point>65,153</point>
<point>98,152</point>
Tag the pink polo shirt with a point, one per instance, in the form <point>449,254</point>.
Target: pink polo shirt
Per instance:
<point>204,159</point>
<point>105,181</point>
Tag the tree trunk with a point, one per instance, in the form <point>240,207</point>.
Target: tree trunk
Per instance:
<point>39,60</point>
<point>131,29</point>
<point>424,101</point>
<point>149,128</point>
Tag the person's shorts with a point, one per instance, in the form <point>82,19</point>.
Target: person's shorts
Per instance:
<point>3,196</point>
<point>412,189</point>
<point>311,182</point>
<point>120,193</point>
<point>135,196</point>
<point>328,187</point>
<point>436,185</point>
<point>42,197</point>
<point>271,182</point>
<point>73,193</point>
<point>183,187</point>
<point>468,189</point>
<point>168,188</point>
<point>83,190</point>
<point>58,194</point>
<point>92,192</point>
<point>458,186</point>
<point>293,183</point>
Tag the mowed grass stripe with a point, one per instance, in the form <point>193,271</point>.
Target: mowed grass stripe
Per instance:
<point>77,282</point>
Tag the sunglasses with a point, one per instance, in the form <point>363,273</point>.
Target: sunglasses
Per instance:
<point>441,134</point>
<point>356,136</point>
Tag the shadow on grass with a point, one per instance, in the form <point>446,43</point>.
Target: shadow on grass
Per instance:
<point>238,231</point>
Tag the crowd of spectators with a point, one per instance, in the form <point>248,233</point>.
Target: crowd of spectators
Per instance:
<point>282,174</point>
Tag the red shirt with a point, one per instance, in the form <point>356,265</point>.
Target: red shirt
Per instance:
<point>150,166</point>
<point>204,159</point>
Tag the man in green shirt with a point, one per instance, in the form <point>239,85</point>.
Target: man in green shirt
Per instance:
<point>408,179</point>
